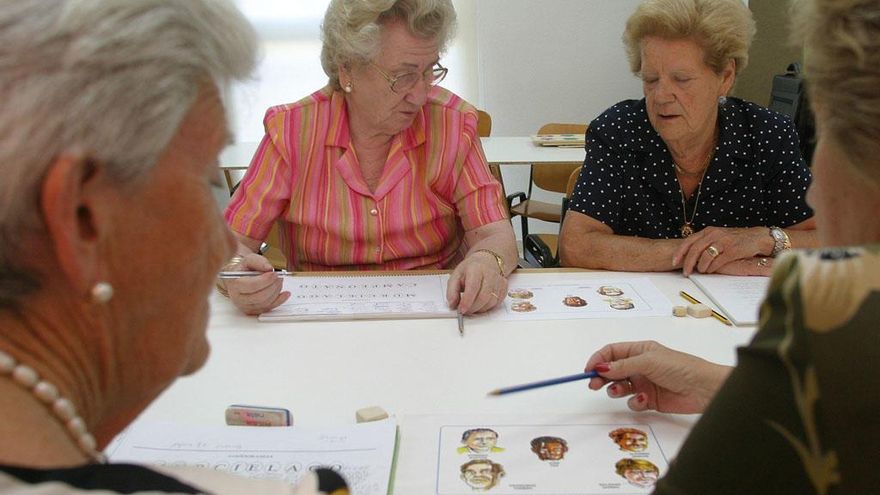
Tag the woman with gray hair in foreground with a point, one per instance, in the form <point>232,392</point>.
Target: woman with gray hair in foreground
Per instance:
<point>110,126</point>
<point>798,414</point>
<point>380,170</point>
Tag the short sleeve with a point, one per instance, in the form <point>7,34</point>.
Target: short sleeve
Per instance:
<point>786,189</point>
<point>263,193</point>
<point>597,192</point>
<point>478,194</point>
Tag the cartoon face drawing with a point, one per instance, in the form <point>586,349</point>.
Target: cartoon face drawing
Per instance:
<point>630,439</point>
<point>479,441</point>
<point>607,290</point>
<point>574,301</point>
<point>523,307</point>
<point>481,474</point>
<point>549,448</point>
<point>638,472</point>
<point>520,294</point>
<point>622,303</point>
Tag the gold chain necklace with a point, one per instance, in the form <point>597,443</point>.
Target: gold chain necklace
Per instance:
<point>687,228</point>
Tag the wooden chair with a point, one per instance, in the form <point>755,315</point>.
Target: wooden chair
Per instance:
<point>542,250</point>
<point>271,247</point>
<point>546,176</point>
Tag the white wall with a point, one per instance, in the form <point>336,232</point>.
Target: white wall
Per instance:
<point>549,61</point>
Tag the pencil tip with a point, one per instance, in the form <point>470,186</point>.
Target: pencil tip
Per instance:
<point>494,393</point>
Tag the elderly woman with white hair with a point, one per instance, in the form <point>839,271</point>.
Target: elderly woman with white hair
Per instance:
<point>798,414</point>
<point>110,126</point>
<point>380,170</point>
<point>687,177</point>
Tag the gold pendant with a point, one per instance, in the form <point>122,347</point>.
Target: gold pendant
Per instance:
<point>686,230</point>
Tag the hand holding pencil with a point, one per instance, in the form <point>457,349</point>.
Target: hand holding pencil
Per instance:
<point>253,294</point>
<point>654,377</point>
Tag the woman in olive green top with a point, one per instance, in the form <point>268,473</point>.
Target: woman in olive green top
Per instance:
<point>799,413</point>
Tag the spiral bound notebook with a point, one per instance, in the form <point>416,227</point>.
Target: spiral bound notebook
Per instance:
<point>359,297</point>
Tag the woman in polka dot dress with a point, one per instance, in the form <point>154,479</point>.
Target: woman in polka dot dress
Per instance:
<point>688,178</point>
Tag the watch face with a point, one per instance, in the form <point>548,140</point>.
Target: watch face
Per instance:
<point>777,234</point>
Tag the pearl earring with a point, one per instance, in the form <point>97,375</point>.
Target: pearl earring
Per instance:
<point>347,88</point>
<point>101,293</point>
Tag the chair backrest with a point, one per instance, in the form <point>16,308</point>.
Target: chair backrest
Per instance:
<point>550,176</point>
<point>484,124</point>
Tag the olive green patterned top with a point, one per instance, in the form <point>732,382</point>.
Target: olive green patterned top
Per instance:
<point>800,414</point>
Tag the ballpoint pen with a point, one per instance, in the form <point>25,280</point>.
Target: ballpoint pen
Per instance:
<point>715,314</point>
<point>247,273</point>
<point>544,383</point>
<point>460,324</point>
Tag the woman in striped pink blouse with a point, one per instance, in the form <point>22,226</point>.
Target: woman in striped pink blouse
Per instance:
<point>379,170</point>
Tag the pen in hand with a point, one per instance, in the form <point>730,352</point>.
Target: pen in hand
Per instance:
<point>544,383</point>
<point>247,273</point>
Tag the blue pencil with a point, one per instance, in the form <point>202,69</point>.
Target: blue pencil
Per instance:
<point>544,383</point>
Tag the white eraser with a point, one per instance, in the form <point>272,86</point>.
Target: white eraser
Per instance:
<point>679,311</point>
<point>367,414</point>
<point>699,310</point>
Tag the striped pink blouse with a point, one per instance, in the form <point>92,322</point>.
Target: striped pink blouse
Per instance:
<point>435,186</point>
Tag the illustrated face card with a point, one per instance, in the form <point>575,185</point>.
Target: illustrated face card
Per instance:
<point>576,459</point>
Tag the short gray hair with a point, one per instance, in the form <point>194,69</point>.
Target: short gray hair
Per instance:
<point>352,28</point>
<point>842,40</point>
<point>111,79</point>
<point>724,29</point>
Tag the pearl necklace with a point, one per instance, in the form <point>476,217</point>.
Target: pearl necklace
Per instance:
<point>62,408</point>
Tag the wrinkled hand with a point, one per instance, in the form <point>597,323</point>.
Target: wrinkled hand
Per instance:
<point>476,285</point>
<point>730,244</point>
<point>255,295</point>
<point>656,377</point>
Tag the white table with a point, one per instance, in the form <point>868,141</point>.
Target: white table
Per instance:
<point>499,151</point>
<point>324,371</point>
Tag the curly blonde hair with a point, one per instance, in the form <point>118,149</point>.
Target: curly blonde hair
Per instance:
<point>842,65</point>
<point>723,28</point>
<point>352,28</point>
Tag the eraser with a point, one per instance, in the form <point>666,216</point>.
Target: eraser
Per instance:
<point>239,415</point>
<point>367,414</point>
<point>699,310</point>
<point>679,311</point>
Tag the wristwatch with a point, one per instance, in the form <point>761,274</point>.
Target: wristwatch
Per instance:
<point>781,242</point>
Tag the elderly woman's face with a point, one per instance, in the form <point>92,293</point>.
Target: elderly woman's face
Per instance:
<point>681,91</point>
<point>371,100</point>
<point>170,242</point>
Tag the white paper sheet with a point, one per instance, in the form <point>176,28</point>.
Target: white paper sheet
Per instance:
<point>362,453</point>
<point>739,298</point>
<point>587,295</point>
<point>363,297</point>
<point>589,465</point>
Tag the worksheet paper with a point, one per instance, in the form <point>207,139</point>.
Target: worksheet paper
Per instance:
<point>574,296</point>
<point>549,455</point>
<point>363,297</point>
<point>362,453</point>
<point>739,298</point>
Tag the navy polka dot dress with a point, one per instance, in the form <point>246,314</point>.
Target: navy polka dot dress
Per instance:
<point>757,177</point>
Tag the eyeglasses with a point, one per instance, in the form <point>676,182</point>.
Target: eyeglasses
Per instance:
<point>402,83</point>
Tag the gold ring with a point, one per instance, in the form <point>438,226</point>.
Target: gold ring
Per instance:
<point>629,384</point>
<point>763,262</point>
<point>713,251</point>
<point>494,295</point>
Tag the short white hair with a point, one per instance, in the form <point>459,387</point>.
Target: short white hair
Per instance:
<point>111,79</point>
<point>352,28</point>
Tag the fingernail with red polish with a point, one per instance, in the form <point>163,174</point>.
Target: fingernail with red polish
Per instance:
<point>603,367</point>
<point>640,398</point>
<point>613,388</point>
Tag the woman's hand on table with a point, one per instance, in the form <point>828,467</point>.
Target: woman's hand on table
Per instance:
<point>712,249</point>
<point>654,377</point>
<point>476,284</point>
<point>255,295</point>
